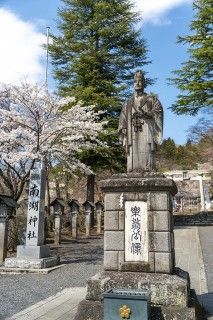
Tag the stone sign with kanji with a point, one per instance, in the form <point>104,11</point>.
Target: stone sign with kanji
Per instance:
<point>136,231</point>
<point>35,217</point>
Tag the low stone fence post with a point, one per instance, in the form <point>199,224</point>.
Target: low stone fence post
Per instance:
<point>6,204</point>
<point>74,211</point>
<point>99,209</point>
<point>58,210</point>
<point>88,207</point>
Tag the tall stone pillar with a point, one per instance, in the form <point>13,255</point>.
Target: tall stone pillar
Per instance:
<point>74,211</point>
<point>88,209</point>
<point>58,209</point>
<point>34,254</point>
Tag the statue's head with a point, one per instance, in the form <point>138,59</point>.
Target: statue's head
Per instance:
<point>139,81</point>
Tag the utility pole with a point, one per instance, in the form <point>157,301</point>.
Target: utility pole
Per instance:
<point>47,57</point>
<point>47,200</point>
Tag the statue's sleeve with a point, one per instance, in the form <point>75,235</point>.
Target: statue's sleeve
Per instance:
<point>123,119</point>
<point>158,120</point>
<point>122,127</point>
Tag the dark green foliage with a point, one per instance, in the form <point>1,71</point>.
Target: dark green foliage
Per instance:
<point>168,148</point>
<point>94,59</point>
<point>194,79</point>
<point>97,50</point>
<point>171,157</point>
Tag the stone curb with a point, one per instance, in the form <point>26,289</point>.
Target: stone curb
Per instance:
<point>4,270</point>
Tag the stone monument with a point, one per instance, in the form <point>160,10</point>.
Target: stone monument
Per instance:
<point>139,250</point>
<point>34,255</point>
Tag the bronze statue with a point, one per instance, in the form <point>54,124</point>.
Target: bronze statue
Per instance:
<point>141,127</point>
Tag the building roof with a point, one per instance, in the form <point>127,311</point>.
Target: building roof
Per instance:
<point>8,201</point>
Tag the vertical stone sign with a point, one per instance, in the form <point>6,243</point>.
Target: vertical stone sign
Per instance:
<point>34,255</point>
<point>35,215</point>
<point>136,231</point>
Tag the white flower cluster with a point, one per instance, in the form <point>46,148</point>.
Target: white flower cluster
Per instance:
<point>33,123</point>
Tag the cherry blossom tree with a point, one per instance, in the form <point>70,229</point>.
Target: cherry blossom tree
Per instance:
<point>35,123</point>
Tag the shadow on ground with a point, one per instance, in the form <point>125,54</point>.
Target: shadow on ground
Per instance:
<point>206,300</point>
<point>82,250</point>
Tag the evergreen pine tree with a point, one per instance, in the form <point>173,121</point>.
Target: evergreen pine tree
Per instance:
<point>94,59</point>
<point>168,149</point>
<point>98,48</point>
<point>194,79</point>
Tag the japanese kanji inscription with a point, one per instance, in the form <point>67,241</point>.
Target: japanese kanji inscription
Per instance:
<point>136,231</point>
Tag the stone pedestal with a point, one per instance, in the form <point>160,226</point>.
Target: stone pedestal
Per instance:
<point>152,195</point>
<point>139,247</point>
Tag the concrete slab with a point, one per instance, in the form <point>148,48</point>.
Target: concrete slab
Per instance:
<point>188,256</point>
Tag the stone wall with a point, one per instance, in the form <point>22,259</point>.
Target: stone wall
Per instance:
<point>156,193</point>
<point>199,219</point>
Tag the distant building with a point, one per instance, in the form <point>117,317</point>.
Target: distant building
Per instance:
<point>193,189</point>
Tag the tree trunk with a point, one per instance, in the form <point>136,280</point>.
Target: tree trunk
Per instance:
<point>48,193</point>
<point>57,188</point>
<point>66,182</point>
<point>91,194</point>
<point>12,234</point>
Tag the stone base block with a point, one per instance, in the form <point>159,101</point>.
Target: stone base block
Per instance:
<point>31,263</point>
<point>166,290</point>
<point>33,252</point>
<point>93,310</point>
<point>164,262</point>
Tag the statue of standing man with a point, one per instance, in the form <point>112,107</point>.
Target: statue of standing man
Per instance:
<point>141,127</point>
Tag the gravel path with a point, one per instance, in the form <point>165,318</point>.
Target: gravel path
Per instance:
<point>83,259</point>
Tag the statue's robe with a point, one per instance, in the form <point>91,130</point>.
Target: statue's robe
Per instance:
<point>140,130</point>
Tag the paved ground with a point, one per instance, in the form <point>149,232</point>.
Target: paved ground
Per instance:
<point>206,241</point>
<point>84,259</point>
<point>61,306</point>
<point>189,257</point>
<point>194,253</point>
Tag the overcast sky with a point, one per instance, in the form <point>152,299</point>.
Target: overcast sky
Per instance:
<point>22,33</point>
